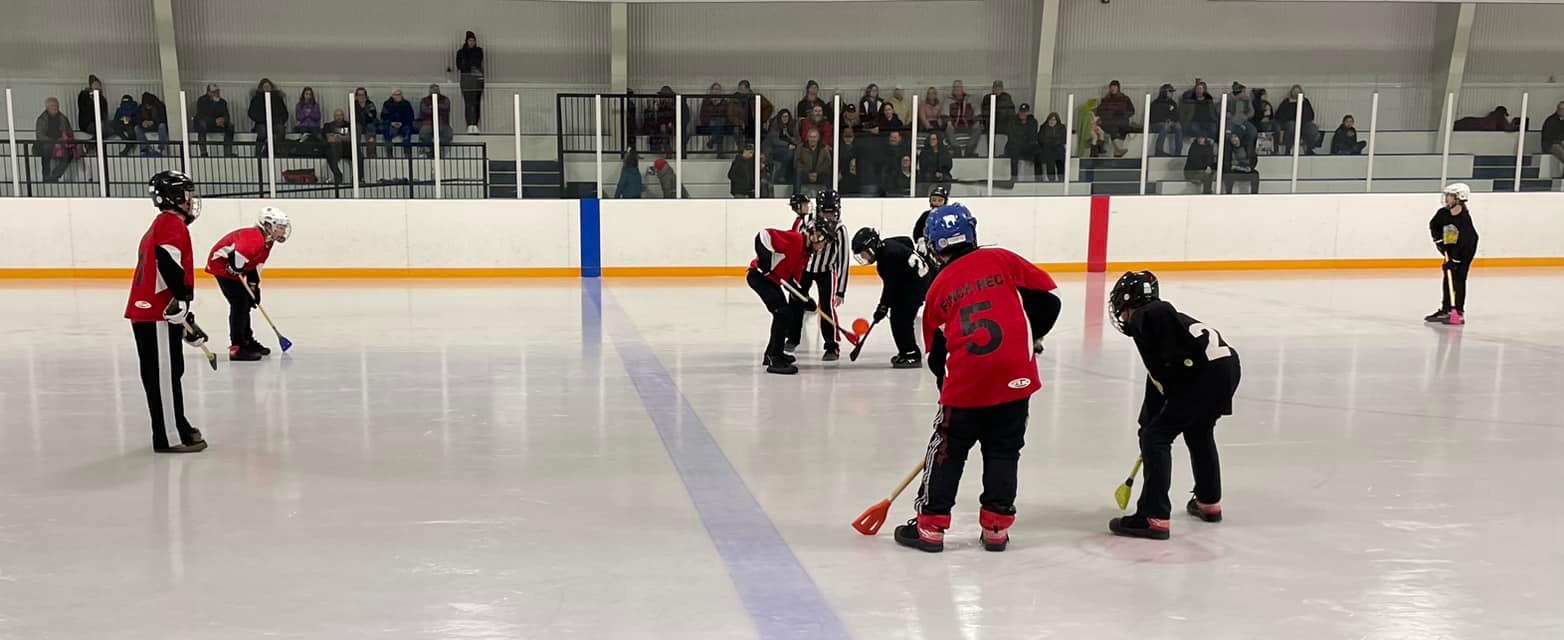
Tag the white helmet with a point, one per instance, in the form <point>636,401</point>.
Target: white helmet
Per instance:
<point>1460,191</point>
<point>275,224</point>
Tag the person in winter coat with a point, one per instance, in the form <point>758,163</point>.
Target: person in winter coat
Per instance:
<point>338,135</point>
<point>1115,111</point>
<point>629,186</point>
<point>1345,141</point>
<point>929,116</point>
<point>257,113</point>
<point>741,174</point>
<point>1240,110</point>
<point>426,116</point>
<point>935,163</point>
<point>810,101</point>
<point>1287,119</point>
<point>1050,147</point>
<point>816,123</point>
<point>1003,107</point>
<point>661,121</point>
<point>902,105</point>
<point>712,121</point>
<point>1239,162</point>
<point>1198,113</point>
<point>666,179</point>
<point>1264,119</point>
<point>1021,141</point>
<point>211,116</point>
<point>400,122</point>
<point>85,116</point>
<point>55,146</point>
<point>1553,134</point>
<point>306,113</point>
<point>781,142</point>
<point>871,107</point>
<point>153,120</point>
<point>889,120</point>
<point>961,121</point>
<point>741,112</point>
<point>899,183</point>
<point>1200,165</point>
<point>367,118</point>
<point>812,165</point>
<point>469,61</point>
<point>123,124</point>
<point>1165,121</point>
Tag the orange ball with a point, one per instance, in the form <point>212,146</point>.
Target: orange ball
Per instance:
<point>861,326</point>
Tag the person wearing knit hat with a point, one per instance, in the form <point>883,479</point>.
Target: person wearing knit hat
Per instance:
<point>469,61</point>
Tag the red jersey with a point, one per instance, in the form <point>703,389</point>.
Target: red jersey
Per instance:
<point>783,252</point>
<point>149,294</point>
<point>246,249</point>
<point>974,302</point>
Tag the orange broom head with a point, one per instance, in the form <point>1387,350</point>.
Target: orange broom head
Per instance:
<point>869,522</point>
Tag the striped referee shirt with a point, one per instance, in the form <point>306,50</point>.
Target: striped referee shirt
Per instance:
<point>833,260</point>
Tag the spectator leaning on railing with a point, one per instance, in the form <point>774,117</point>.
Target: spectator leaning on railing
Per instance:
<point>1287,117</point>
<point>306,113</point>
<point>367,118</point>
<point>400,122</point>
<point>55,147</point>
<point>1115,112</point>
<point>84,114</point>
<point>469,61</point>
<point>426,115</point>
<point>153,120</point>
<point>1345,141</point>
<point>1553,135</point>
<point>212,116</point>
<point>257,113</point>
<point>1164,121</point>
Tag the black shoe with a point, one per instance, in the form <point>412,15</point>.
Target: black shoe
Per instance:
<point>243,354</point>
<point>196,446</point>
<point>907,362</point>
<point>1209,512</point>
<point>1437,316</point>
<point>780,366</point>
<point>1137,527</point>
<point>907,536</point>
<point>832,354</point>
<point>785,358</point>
<point>790,346</point>
<point>258,347</point>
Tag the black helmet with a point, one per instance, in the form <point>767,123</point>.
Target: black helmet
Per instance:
<point>1134,289</point>
<point>828,201</point>
<point>866,240</point>
<point>797,199</point>
<point>939,191</point>
<point>174,191</point>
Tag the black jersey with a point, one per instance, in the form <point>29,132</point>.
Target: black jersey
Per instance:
<point>904,273</point>
<point>1185,358</point>
<point>1455,235</point>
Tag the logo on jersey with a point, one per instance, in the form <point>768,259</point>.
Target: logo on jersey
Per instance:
<point>1020,383</point>
<point>143,304</point>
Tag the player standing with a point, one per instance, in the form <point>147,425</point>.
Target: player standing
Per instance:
<point>159,310</point>
<point>1456,238</point>
<point>904,278</point>
<point>939,196</point>
<point>780,257</point>
<point>799,203</point>
<point>988,309</point>
<point>826,270</point>
<point>235,262</point>
<point>1191,376</point>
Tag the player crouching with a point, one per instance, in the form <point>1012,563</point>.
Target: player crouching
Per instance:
<point>904,277</point>
<point>1192,375</point>
<point>780,257</point>
<point>988,309</point>
<point>235,262</point>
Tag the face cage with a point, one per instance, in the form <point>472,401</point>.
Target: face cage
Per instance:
<point>865,257</point>
<point>192,205</point>
<point>1115,313</point>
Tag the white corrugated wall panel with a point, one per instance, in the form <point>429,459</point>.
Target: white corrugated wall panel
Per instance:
<point>1340,52</point>
<point>48,49</point>
<point>1516,48</point>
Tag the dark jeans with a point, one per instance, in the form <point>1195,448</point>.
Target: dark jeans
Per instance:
<point>1455,283</point>
<point>1251,178</point>
<point>1029,153</point>
<point>822,285</point>
<point>203,128</point>
<point>239,304</point>
<point>406,133</point>
<point>776,302</point>
<point>1195,417</point>
<point>53,168</point>
<point>1201,130</point>
<point>1001,429</point>
<point>261,137</point>
<point>1200,177</point>
<point>472,103</point>
<point>144,134</point>
<point>1053,162</point>
<point>1311,135</point>
<point>1164,130</point>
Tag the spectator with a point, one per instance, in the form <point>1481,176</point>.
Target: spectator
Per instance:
<point>816,124</point>
<point>889,120</point>
<point>1114,113</point>
<point>851,183</point>
<point>306,113</point>
<point>900,183</point>
<point>667,179</point>
<point>902,105</point>
<point>427,114</point>
<point>741,112</point>
<point>367,118</point>
<point>211,116</point>
<point>1021,141</point>
<point>1239,163</point>
<point>257,113</point>
<point>123,123</point>
<point>1287,119</point>
<point>339,139</point>
<point>399,122</point>
<point>782,141</point>
<point>1265,120</point>
<point>85,117</point>
<point>1553,134</point>
<point>929,116</point>
<point>55,147</point>
<point>741,174</point>
<point>1050,142</point>
<point>849,147</point>
<point>712,120</point>
<point>850,119</point>
<point>629,187</point>
<point>885,165</point>
<point>870,106</point>
<point>1345,141</point>
<point>469,61</point>
<point>1189,93</point>
<point>1199,113</point>
<point>935,163</point>
<point>1004,109</point>
<point>153,120</point>
<point>1200,165</point>
<point>1497,120</point>
<point>811,100</point>
<point>1240,110</point>
<point>1164,121</point>
<point>962,122</point>
<point>663,125</point>
<point>812,164</point>
<point>1091,135</point>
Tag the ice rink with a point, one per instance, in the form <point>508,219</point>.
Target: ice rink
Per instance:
<point>547,459</point>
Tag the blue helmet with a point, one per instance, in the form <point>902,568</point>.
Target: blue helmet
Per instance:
<point>949,226</point>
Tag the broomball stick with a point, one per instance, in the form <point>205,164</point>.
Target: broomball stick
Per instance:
<point>1122,494</point>
<point>851,337</point>
<point>868,523</point>
<point>282,341</point>
<point>211,358</point>
<point>857,349</point>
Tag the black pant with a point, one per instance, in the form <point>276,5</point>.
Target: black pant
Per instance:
<point>1195,417</point>
<point>776,302</point>
<point>203,128</point>
<point>906,336</point>
<point>1455,283</point>
<point>1052,158</point>
<point>822,284</point>
<point>162,365</point>
<point>1034,154</point>
<point>239,304</point>
<point>1252,178</point>
<point>1002,431</point>
<point>53,168</point>
<point>472,102</point>
<point>336,150</point>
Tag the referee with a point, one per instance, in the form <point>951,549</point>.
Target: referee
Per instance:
<point>827,272</point>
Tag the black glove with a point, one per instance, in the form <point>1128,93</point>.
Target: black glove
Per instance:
<point>233,271</point>
<point>809,305</point>
<point>194,336</point>
<point>255,300</point>
<point>879,313</point>
<point>1037,346</point>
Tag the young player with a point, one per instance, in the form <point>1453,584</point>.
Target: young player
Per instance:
<point>1456,238</point>
<point>939,196</point>
<point>1191,375</point>
<point>780,257</point>
<point>826,271</point>
<point>159,310</point>
<point>904,277</point>
<point>799,203</point>
<point>235,262</point>
<point>988,309</point>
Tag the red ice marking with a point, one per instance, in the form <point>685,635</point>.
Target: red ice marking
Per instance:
<point>1097,236</point>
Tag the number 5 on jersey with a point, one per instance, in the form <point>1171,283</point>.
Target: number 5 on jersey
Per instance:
<point>971,325</point>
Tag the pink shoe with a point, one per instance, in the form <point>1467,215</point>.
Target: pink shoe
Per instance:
<point>1455,318</point>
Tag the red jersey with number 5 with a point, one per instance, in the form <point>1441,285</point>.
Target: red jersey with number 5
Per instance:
<point>975,303</point>
<point>149,294</point>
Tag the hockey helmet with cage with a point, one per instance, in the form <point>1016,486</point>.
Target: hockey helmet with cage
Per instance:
<point>950,226</point>
<point>175,191</point>
<point>797,200</point>
<point>1461,192</point>
<point>1134,289</point>
<point>275,224</point>
<point>939,191</point>
<point>828,205</point>
<point>866,241</point>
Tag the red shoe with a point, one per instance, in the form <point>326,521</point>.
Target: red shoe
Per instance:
<point>924,533</point>
<point>996,529</point>
<point>1139,527</point>
<point>1207,512</point>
